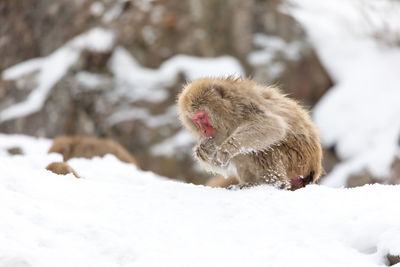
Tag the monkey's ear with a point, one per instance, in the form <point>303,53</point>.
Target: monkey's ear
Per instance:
<point>220,91</point>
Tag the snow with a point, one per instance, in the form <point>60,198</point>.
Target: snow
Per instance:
<point>152,121</point>
<point>134,81</point>
<point>359,115</point>
<point>52,68</point>
<point>268,50</point>
<point>91,81</point>
<point>29,145</point>
<point>168,147</point>
<point>270,46</point>
<point>51,71</point>
<point>96,9</point>
<point>114,12</point>
<point>19,70</point>
<point>196,67</point>
<point>117,215</point>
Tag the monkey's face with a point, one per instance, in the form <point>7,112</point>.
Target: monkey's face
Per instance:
<point>206,109</point>
<point>203,124</point>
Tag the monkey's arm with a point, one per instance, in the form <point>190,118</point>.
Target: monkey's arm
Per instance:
<point>252,136</point>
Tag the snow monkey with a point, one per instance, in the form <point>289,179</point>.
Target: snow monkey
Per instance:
<point>61,168</point>
<point>89,147</point>
<point>252,132</point>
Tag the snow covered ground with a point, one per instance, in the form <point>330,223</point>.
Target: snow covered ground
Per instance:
<point>117,215</point>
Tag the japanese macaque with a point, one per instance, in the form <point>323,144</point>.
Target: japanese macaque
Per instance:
<point>252,132</point>
<point>89,147</point>
<point>61,168</point>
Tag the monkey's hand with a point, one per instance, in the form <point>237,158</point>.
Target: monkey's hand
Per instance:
<point>225,152</point>
<point>205,151</point>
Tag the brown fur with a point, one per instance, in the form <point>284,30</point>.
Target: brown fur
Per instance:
<point>262,136</point>
<point>89,147</point>
<point>221,181</point>
<point>61,168</point>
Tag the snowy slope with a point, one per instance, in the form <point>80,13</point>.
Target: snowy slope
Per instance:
<point>360,114</point>
<point>117,215</point>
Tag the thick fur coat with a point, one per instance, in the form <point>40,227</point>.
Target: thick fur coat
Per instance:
<point>262,136</point>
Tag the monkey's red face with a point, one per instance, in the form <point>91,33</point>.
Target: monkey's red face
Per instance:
<point>202,121</point>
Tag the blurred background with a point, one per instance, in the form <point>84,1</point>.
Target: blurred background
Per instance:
<point>114,69</point>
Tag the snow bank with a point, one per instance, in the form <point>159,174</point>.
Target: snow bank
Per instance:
<point>52,68</point>
<point>360,114</point>
<point>117,215</point>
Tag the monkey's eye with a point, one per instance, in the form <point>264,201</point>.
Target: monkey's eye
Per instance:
<point>200,116</point>
<point>220,91</point>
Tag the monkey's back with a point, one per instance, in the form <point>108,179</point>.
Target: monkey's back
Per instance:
<point>297,157</point>
<point>261,135</point>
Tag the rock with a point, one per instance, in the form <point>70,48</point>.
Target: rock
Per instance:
<point>365,177</point>
<point>17,39</point>
<point>12,92</point>
<point>15,151</point>
<point>290,60</point>
<point>393,259</point>
<point>329,159</point>
<point>61,168</point>
<point>395,172</point>
<point>360,179</point>
<point>35,28</point>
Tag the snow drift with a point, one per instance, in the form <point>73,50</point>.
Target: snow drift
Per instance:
<point>117,215</point>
